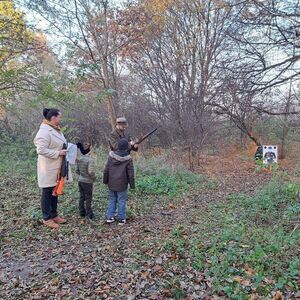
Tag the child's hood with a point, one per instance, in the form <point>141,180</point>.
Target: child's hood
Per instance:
<point>117,159</point>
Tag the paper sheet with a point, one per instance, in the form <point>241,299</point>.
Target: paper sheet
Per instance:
<point>72,153</point>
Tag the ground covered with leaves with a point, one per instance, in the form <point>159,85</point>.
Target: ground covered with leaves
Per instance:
<point>226,233</point>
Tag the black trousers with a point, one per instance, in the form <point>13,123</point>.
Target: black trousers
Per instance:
<point>86,197</point>
<point>48,204</point>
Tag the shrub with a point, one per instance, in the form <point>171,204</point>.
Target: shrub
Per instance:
<point>156,177</point>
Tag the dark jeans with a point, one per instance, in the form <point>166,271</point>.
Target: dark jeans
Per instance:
<point>86,197</point>
<point>48,204</point>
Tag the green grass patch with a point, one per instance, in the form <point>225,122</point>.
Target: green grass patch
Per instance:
<point>155,177</point>
<point>245,245</point>
<point>255,250</point>
<point>159,184</point>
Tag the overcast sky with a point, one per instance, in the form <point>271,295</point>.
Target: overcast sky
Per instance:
<point>56,43</point>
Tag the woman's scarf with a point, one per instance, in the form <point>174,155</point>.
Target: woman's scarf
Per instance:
<point>56,127</point>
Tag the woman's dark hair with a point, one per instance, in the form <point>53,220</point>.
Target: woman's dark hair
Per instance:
<point>48,113</point>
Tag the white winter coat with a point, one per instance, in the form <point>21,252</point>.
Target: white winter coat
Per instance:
<point>49,142</point>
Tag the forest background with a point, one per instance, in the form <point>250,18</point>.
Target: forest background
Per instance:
<point>219,77</point>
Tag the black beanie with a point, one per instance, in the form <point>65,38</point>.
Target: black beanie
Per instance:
<point>123,144</point>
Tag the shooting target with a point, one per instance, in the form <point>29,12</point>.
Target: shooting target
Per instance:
<point>270,154</point>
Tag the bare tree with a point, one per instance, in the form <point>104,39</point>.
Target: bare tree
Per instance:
<point>180,65</point>
<point>269,44</point>
<point>88,28</point>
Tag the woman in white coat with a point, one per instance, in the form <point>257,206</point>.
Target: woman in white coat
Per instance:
<point>49,143</point>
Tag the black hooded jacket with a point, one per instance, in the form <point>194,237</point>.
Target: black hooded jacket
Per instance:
<point>119,171</point>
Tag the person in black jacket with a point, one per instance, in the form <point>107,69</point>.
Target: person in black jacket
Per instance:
<point>118,173</point>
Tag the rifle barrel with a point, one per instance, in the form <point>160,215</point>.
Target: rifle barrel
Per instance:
<point>147,135</point>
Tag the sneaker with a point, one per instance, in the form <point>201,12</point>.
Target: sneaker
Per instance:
<point>51,224</point>
<point>59,220</point>
<point>122,222</point>
<point>111,220</point>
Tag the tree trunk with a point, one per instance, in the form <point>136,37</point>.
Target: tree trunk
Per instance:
<point>285,131</point>
<point>110,104</point>
<point>285,127</point>
<point>111,111</point>
<point>191,158</point>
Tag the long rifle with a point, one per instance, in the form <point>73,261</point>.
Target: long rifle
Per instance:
<point>146,135</point>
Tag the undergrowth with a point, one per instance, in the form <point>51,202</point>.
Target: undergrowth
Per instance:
<point>247,245</point>
<point>157,184</point>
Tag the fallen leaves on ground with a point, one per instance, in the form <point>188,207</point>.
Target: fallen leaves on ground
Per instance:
<point>86,260</point>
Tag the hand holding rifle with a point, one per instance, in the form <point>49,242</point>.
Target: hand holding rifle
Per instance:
<point>134,145</point>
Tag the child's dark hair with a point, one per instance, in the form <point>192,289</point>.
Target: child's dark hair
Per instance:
<point>48,113</point>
